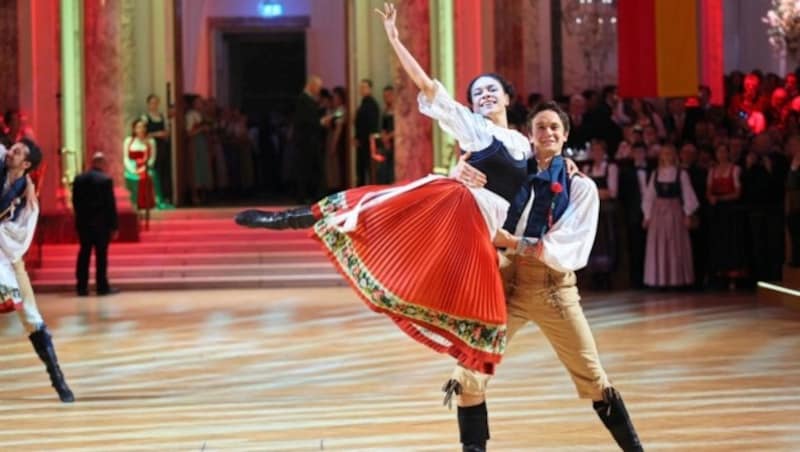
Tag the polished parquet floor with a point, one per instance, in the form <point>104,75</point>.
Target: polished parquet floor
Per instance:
<point>313,369</point>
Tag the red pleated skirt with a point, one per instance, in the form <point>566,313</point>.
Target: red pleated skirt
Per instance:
<point>424,258</point>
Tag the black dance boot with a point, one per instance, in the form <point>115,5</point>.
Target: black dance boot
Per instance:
<point>473,426</point>
<point>43,344</point>
<point>298,218</point>
<point>615,417</point>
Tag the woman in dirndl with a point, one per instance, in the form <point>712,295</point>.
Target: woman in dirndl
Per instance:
<point>727,256</point>
<point>139,152</point>
<point>605,174</point>
<point>668,204</point>
<point>422,252</point>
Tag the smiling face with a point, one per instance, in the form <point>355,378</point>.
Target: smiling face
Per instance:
<point>488,96</point>
<point>547,133</point>
<point>17,157</point>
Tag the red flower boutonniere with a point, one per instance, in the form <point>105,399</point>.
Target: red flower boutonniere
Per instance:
<point>556,188</point>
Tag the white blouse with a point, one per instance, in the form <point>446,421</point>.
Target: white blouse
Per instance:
<point>131,143</point>
<point>15,238</point>
<point>690,203</point>
<point>473,131</point>
<point>567,245</point>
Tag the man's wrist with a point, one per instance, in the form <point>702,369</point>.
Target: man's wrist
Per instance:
<point>526,246</point>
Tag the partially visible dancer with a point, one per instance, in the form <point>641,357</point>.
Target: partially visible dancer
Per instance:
<point>20,212</point>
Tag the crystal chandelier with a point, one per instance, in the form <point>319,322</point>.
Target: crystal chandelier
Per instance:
<point>594,24</point>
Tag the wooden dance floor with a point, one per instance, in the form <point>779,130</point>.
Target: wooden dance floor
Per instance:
<point>313,369</point>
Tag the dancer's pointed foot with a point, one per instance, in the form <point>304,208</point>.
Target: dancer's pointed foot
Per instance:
<point>299,218</point>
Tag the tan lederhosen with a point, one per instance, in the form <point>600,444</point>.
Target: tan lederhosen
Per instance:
<point>549,298</point>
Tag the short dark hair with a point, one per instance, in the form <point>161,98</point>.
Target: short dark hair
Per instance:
<point>341,93</point>
<point>554,107</point>
<point>388,88</point>
<point>34,156</point>
<point>367,81</point>
<point>609,89</point>
<point>507,87</point>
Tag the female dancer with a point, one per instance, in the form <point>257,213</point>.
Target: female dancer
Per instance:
<point>422,252</point>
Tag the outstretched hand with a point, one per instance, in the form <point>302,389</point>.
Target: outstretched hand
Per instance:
<point>389,15</point>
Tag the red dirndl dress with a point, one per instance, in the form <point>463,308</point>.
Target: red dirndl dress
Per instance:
<point>145,192</point>
<point>421,254</point>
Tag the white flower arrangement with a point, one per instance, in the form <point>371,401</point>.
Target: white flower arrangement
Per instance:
<point>783,20</point>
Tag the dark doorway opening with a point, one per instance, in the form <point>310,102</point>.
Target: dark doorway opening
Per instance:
<point>266,72</point>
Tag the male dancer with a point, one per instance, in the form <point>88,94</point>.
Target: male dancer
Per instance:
<point>553,220</point>
<point>19,212</point>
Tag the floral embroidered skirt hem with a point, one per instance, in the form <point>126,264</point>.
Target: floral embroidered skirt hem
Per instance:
<point>423,257</point>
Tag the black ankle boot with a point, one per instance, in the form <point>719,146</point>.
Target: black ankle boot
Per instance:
<point>473,425</point>
<point>615,417</point>
<point>43,344</point>
<point>299,218</point>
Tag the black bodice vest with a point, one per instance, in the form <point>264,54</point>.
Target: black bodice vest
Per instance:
<point>668,189</point>
<point>504,174</point>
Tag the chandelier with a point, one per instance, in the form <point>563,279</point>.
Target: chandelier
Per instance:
<point>594,24</point>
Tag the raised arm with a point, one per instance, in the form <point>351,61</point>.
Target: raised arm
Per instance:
<point>409,63</point>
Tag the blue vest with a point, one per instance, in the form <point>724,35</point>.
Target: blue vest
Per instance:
<point>16,191</point>
<point>540,184</point>
<point>504,173</point>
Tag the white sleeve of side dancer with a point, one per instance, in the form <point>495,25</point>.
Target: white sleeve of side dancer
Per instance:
<point>469,129</point>
<point>16,236</point>
<point>567,245</point>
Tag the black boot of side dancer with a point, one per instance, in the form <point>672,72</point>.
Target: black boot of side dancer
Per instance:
<point>43,344</point>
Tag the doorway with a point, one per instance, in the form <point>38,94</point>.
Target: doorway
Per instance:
<point>259,69</point>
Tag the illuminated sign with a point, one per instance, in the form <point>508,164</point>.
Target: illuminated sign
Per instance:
<point>270,8</point>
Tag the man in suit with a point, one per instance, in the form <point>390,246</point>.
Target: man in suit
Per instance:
<point>307,137</point>
<point>368,118</point>
<point>96,222</point>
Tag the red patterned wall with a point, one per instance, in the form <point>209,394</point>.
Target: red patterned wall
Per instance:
<point>9,55</point>
<point>103,78</point>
